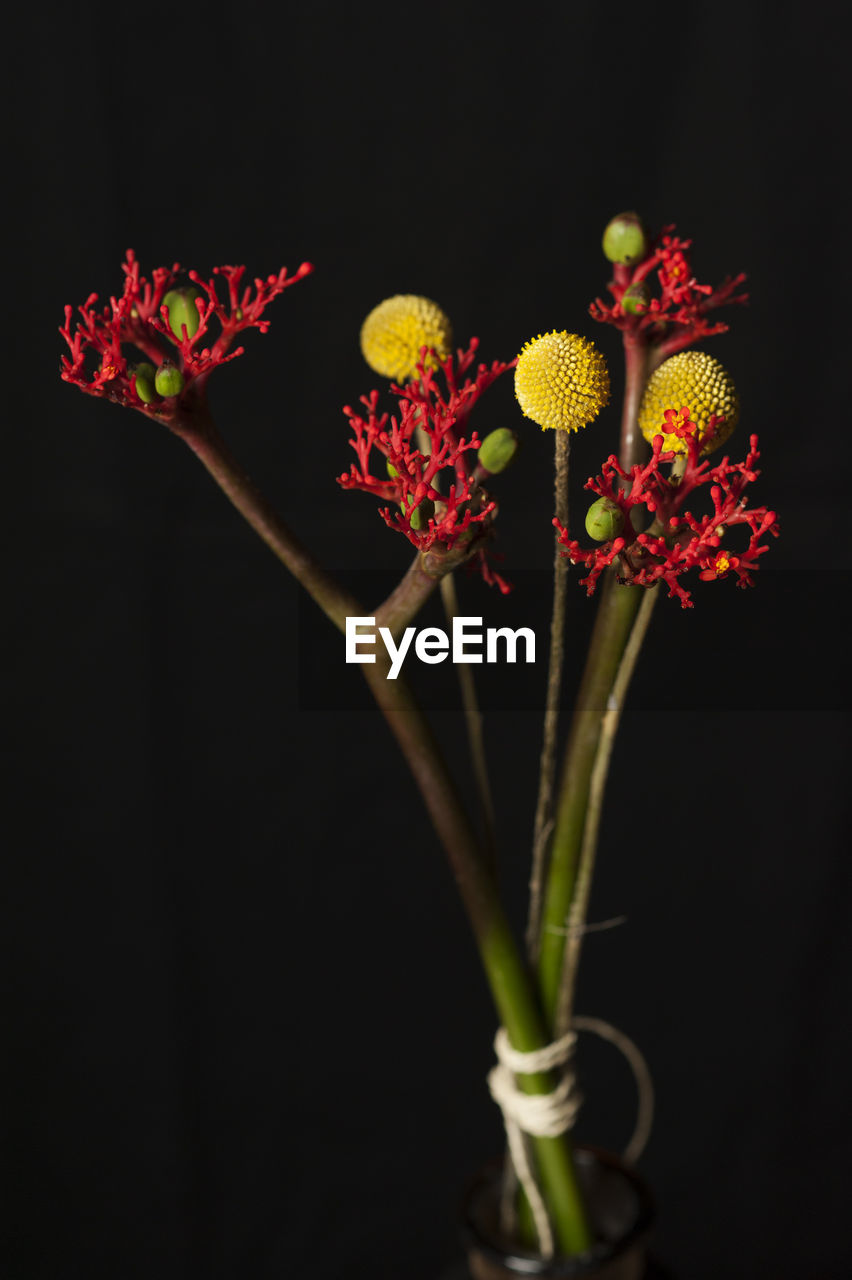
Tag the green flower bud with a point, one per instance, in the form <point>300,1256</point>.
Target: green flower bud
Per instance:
<point>497,450</point>
<point>421,514</point>
<point>169,380</point>
<point>183,311</point>
<point>624,239</point>
<point>145,374</point>
<point>604,520</point>
<point>635,299</point>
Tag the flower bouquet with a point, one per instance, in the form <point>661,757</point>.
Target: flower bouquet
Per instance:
<point>669,510</point>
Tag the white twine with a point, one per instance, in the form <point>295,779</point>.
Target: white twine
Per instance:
<point>550,1114</point>
<point>544,1115</point>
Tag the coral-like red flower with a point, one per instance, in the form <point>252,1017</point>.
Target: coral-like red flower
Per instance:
<point>676,541</point>
<point>676,316</point>
<point>429,473</point>
<point>101,340</point>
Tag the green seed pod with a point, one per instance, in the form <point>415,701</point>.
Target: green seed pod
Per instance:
<point>624,239</point>
<point>144,375</point>
<point>169,380</point>
<point>392,471</point>
<point>183,311</point>
<point>635,299</point>
<point>604,520</point>
<point>497,450</point>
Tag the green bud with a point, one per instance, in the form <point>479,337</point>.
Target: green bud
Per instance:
<point>392,471</point>
<point>635,299</point>
<point>183,311</point>
<point>604,520</point>
<point>497,450</point>
<point>624,239</point>
<point>145,375</point>
<point>421,514</point>
<point>169,380</point>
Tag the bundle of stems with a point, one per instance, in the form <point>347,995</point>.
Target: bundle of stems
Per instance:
<point>533,985</point>
<point>532,988</point>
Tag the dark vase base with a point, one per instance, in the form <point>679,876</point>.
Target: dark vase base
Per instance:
<point>621,1213</point>
<point>654,1270</point>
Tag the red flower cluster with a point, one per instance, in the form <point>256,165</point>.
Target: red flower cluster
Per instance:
<point>429,468</point>
<point>677,541</point>
<point>99,365</point>
<point>678,316</point>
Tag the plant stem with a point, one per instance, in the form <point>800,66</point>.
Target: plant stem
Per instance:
<point>508,978</point>
<point>617,611</point>
<point>407,598</point>
<point>201,435</point>
<point>638,365</point>
<point>547,765</point>
<point>580,904</point>
<point>475,739</point>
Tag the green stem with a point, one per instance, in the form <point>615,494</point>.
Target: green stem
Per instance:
<point>509,981</point>
<point>578,913</point>
<point>547,760</point>
<point>615,617</point>
<point>616,613</point>
<point>507,975</point>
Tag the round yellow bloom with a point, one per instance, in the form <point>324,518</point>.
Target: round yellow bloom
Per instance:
<point>395,330</point>
<point>561,381</point>
<point>695,381</point>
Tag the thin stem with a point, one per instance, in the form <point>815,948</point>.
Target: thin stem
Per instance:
<point>407,598</point>
<point>547,764</point>
<point>475,738</point>
<point>616,613</point>
<point>578,913</point>
<point>206,443</point>
<point>507,975</point>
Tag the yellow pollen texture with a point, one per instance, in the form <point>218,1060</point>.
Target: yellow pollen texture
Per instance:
<point>395,330</point>
<point>561,381</point>
<point>692,380</point>
<point>723,564</point>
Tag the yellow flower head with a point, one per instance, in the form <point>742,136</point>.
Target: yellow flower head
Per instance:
<point>561,381</point>
<point>395,330</point>
<point>695,381</point>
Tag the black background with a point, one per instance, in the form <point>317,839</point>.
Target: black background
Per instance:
<point>247,1031</point>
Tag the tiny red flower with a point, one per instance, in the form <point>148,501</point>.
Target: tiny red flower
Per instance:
<point>676,541</point>
<point>428,466</point>
<point>677,316</point>
<point>102,340</point>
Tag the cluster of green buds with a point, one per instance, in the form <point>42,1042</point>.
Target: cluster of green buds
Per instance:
<point>167,381</point>
<point>157,384</point>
